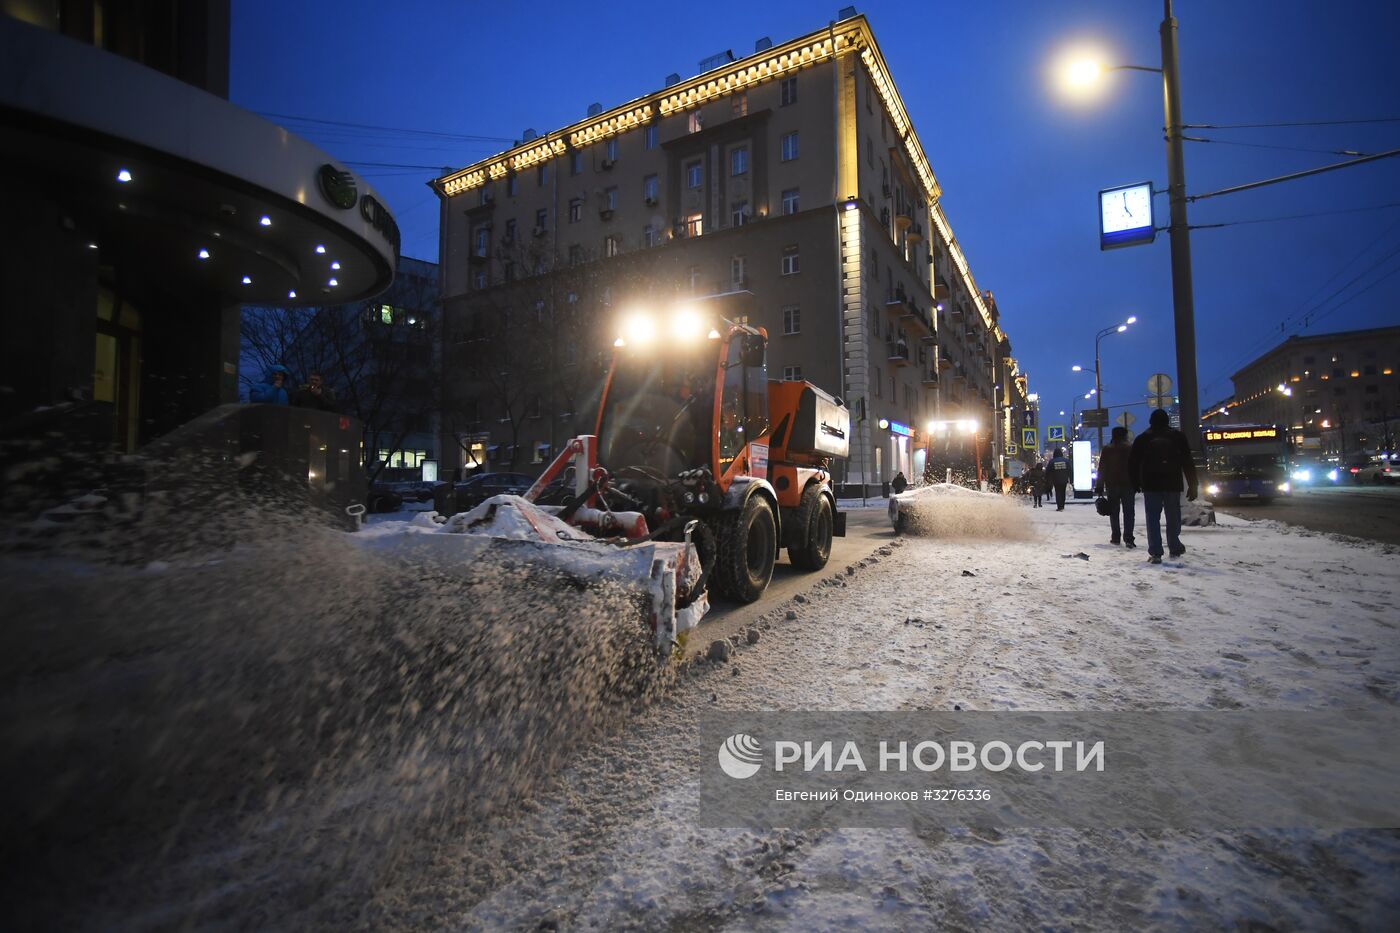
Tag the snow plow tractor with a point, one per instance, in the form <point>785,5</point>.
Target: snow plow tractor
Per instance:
<point>695,443</point>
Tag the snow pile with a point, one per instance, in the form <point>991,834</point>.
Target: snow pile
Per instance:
<point>945,510</point>
<point>515,518</point>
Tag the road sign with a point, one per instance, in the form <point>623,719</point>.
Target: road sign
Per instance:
<point>1161,401</point>
<point>1011,450</point>
<point>1159,384</point>
<point>1030,438</point>
<point>1126,419</point>
<point>1095,417</point>
<point>1055,434</point>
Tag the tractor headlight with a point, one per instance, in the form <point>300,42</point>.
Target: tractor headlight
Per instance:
<point>688,497</point>
<point>686,325</point>
<point>1332,475</point>
<point>1213,489</point>
<point>1303,476</point>
<point>703,498</point>
<point>639,329</point>
<point>1284,487</point>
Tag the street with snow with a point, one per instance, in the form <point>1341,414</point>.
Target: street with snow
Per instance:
<point>425,750</point>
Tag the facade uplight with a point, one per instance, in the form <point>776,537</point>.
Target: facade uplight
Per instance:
<point>332,283</point>
<point>336,265</point>
<point>265,220</point>
<point>320,248</point>
<point>204,254</point>
<point>292,293</point>
<point>123,176</point>
<point>247,280</point>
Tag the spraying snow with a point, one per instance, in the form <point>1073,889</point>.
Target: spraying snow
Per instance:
<point>946,510</point>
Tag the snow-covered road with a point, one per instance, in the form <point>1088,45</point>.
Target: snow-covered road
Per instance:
<point>1258,616</point>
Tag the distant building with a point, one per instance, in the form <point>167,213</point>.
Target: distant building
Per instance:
<point>1337,393</point>
<point>790,180</point>
<point>142,209</point>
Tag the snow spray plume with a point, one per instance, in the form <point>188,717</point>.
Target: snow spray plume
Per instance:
<point>215,711</point>
<point>948,511</point>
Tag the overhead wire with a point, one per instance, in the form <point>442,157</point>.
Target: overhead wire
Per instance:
<point>1257,126</point>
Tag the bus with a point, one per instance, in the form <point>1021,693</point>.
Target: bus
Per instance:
<point>1246,461</point>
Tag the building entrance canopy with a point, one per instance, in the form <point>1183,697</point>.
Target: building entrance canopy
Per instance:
<point>166,178</point>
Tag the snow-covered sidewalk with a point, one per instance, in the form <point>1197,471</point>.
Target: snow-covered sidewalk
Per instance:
<point>1257,616</point>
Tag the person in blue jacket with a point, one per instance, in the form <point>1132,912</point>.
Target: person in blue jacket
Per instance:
<point>275,389</point>
<point>1057,477</point>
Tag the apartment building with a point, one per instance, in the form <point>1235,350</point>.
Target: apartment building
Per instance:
<point>790,182</point>
<point>1336,393</point>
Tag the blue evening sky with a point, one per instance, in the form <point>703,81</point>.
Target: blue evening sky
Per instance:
<point>1019,166</point>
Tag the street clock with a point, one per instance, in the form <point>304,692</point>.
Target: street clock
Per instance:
<point>1125,216</point>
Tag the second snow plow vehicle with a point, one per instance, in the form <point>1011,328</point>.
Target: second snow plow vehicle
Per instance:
<point>694,443</point>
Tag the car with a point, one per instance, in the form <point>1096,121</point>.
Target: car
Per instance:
<point>415,491</point>
<point>1375,470</point>
<point>383,497</point>
<point>475,490</point>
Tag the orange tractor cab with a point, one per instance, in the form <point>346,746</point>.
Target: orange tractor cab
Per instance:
<point>695,443</point>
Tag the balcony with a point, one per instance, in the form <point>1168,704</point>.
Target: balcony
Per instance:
<point>940,287</point>
<point>944,360</point>
<point>480,255</point>
<point>898,352</point>
<point>915,234</point>
<point>903,218</point>
<point>929,377</point>
<point>897,302</point>
<point>955,312</point>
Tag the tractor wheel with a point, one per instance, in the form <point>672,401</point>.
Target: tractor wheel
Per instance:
<point>747,543</point>
<point>809,535</point>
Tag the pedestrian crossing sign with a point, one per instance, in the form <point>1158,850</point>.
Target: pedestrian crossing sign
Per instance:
<point>1055,434</point>
<point>1030,438</point>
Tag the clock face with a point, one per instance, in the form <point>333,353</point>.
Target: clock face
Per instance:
<point>1126,208</point>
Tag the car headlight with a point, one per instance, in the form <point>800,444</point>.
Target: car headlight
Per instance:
<point>1213,489</point>
<point>1302,476</point>
<point>1284,487</point>
<point>1332,475</point>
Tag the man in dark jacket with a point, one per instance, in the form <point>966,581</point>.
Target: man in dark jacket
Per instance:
<point>1057,476</point>
<point>315,394</point>
<point>1115,483</point>
<point>1035,479</point>
<point>1159,458</point>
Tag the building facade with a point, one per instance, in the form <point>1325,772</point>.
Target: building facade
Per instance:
<point>1337,394</point>
<point>144,210</point>
<point>789,180</point>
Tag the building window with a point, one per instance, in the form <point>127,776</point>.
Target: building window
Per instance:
<point>575,210</point>
<point>610,199</point>
<point>611,150</point>
<point>509,269</point>
<point>575,254</point>
<point>790,201</point>
<point>483,242</point>
<point>694,224</point>
<point>479,279</point>
<point>869,100</point>
<point>1373,390</point>
<point>649,236</point>
<point>694,175</point>
<point>541,174</point>
<point>485,195</point>
<point>542,451</point>
<point>510,185</point>
<point>739,161</point>
<point>738,213</point>
<point>649,189</point>
<point>792,373</point>
<point>694,274</point>
<point>1369,369</point>
<point>789,91</point>
<point>510,231</point>
<point>649,137</point>
<point>879,383</point>
<point>611,246</point>
<point>739,105</point>
<point>736,270</point>
<point>541,219</point>
<point>792,319</point>
<point>790,147</point>
<point>791,264</point>
<point>575,163</point>
<point>695,121</point>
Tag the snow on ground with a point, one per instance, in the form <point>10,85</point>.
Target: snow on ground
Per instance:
<point>1257,616</point>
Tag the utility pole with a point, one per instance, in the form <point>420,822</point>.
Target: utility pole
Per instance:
<point>1183,302</point>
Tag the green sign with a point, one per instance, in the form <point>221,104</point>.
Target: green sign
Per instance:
<point>1030,439</point>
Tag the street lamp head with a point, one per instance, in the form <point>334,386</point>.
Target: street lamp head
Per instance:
<point>1132,320</point>
<point>1077,368</point>
<point>1122,327</point>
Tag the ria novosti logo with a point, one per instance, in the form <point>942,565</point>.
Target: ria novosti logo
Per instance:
<point>740,756</point>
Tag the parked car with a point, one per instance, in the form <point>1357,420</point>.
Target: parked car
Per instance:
<point>383,497</point>
<point>1375,470</point>
<point>475,490</point>
<point>417,491</point>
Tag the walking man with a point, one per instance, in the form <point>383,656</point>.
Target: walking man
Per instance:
<point>1115,483</point>
<point>1159,458</point>
<point>1057,475</point>
<point>1035,479</point>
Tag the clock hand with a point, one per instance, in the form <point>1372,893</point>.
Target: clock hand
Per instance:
<point>1127,210</point>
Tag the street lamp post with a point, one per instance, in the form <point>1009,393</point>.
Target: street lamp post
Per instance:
<point>1098,386</point>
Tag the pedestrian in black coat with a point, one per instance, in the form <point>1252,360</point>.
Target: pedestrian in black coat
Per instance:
<point>1057,477</point>
<point>1160,459</point>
